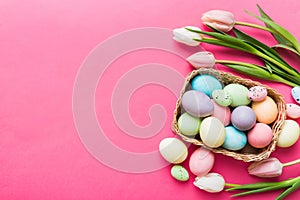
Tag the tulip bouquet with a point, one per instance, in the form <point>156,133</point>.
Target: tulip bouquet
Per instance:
<point>275,68</point>
<point>271,167</point>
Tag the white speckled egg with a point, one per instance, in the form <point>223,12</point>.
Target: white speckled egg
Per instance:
<point>292,111</point>
<point>296,94</point>
<point>173,150</point>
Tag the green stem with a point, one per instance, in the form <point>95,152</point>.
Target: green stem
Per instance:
<point>231,185</point>
<point>264,56</point>
<point>261,73</point>
<point>255,26</point>
<point>291,163</point>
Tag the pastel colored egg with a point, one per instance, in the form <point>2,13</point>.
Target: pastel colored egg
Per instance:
<point>292,111</point>
<point>201,161</point>
<point>257,93</point>
<point>197,103</point>
<point>206,83</point>
<point>260,135</point>
<point>173,150</point>
<point>221,97</point>
<point>179,173</point>
<point>235,139</point>
<point>296,94</point>
<point>238,93</point>
<point>188,124</point>
<point>222,113</point>
<point>212,132</point>
<point>243,118</point>
<point>266,111</point>
<point>289,134</point>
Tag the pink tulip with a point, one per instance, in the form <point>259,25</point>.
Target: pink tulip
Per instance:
<point>219,19</point>
<point>270,167</point>
<point>202,59</point>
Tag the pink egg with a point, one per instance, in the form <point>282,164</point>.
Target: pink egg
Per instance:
<point>201,161</point>
<point>260,135</point>
<point>221,113</point>
<point>257,93</point>
<point>293,111</point>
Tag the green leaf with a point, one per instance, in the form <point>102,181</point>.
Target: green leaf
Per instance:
<point>260,46</point>
<point>280,30</point>
<point>294,79</point>
<point>283,46</point>
<point>288,191</point>
<point>215,30</point>
<point>259,72</point>
<point>279,38</point>
<point>234,42</point>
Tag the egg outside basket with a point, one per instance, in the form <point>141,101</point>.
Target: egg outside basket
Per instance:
<point>227,78</point>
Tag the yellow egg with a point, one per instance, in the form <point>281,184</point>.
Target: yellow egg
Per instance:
<point>266,111</point>
<point>289,134</point>
<point>212,132</point>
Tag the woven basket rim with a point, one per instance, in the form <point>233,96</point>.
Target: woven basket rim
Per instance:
<point>226,77</point>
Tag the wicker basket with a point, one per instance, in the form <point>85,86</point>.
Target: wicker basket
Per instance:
<point>227,78</point>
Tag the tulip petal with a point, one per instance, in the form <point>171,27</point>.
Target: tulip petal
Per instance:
<point>219,19</point>
<point>270,167</point>
<point>202,59</point>
<point>211,182</point>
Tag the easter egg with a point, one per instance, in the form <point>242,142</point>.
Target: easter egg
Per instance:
<point>212,132</point>
<point>206,83</point>
<point>197,103</point>
<point>257,93</point>
<point>243,118</point>
<point>238,93</point>
<point>179,173</point>
<point>292,111</point>
<point>260,135</point>
<point>221,97</point>
<point>222,113</point>
<point>188,124</point>
<point>289,134</point>
<point>266,111</point>
<point>201,161</point>
<point>173,150</point>
<point>235,139</point>
<point>296,94</point>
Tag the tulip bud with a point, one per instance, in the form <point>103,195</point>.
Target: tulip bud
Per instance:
<point>185,36</point>
<point>270,167</point>
<point>219,19</point>
<point>202,59</point>
<point>211,182</point>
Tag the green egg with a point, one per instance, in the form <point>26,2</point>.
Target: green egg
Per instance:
<point>222,97</point>
<point>179,173</point>
<point>238,93</point>
<point>188,124</point>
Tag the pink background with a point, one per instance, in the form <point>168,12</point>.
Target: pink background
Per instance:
<point>43,44</point>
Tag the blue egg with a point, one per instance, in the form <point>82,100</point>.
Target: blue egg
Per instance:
<point>235,139</point>
<point>206,83</point>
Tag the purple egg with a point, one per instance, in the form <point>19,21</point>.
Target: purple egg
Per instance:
<point>197,103</point>
<point>243,118</point>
